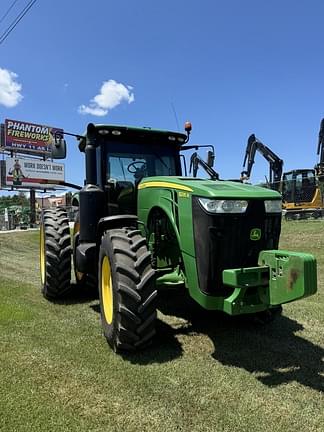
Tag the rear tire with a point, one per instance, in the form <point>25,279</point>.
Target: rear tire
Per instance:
<point>126,290</point>
<point>55,253</point>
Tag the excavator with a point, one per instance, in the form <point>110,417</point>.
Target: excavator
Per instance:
<point>301,188</point>
<point>275,163</point>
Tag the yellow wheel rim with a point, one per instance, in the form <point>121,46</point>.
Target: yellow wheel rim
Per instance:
<point>106,290</point>
<point>42,255</point>
<point>76,228</point>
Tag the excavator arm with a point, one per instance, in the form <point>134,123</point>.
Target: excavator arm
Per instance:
<point>319,167</point>
<point>275,163</point>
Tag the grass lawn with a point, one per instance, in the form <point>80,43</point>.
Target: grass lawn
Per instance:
<point>210,373</point>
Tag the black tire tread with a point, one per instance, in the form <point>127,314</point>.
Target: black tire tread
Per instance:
<point>135,316</point>
<point>57,253</point>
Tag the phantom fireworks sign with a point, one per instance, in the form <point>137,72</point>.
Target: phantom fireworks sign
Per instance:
<point>27,137</point>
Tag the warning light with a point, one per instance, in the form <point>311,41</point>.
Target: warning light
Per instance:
<point>188,126</point>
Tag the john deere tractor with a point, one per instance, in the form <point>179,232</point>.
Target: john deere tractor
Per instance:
<point>144,225</point>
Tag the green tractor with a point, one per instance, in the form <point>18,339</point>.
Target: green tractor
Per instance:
<point>144,225</point>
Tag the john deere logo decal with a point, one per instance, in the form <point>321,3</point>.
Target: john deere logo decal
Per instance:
<point>255,234</point>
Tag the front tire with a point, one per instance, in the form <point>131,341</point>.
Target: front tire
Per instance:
<point>126,290</point>
<point>55,253</point>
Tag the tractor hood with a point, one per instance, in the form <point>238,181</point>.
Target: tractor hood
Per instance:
<point>209,188</point>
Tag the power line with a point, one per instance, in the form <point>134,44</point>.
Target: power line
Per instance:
<point>9,9</point>
<point>15,22</point>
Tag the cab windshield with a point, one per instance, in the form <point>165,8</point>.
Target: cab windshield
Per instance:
<point>299,186</point>
<point>132,162</point>
<point>127,164</point>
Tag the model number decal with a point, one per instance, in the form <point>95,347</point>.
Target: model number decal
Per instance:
<point>183,194</point>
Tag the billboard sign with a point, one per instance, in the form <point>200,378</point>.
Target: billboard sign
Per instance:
<point>33,173</point>
<point>25,137</point>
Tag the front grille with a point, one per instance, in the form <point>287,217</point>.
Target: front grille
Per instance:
<point>222,241</point>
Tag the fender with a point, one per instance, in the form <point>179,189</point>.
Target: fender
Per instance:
<point>86,253</point>
<point>112,222</point>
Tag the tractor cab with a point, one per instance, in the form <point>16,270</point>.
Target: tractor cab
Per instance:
<point>126,155</point>
<point>299,186</point>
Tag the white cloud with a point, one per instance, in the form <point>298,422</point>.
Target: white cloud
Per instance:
<point>111,95</point>
<point>10,94</point>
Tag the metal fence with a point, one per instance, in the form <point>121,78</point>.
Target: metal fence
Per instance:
<point>11,219</point>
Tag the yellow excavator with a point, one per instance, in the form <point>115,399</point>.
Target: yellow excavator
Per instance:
<point>302,188</point>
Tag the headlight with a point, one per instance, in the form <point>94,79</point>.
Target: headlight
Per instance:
<point>224,206</point>
<point>273,206</point>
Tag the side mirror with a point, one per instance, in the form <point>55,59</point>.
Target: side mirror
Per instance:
<point>59,148</point>
<point>210,158</point>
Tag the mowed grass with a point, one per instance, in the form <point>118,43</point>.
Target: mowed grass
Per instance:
<point>206,373</point>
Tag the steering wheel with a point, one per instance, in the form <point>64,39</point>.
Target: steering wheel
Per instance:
<point>133,167</point>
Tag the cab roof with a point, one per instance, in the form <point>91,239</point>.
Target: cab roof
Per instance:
<point>128,133</point>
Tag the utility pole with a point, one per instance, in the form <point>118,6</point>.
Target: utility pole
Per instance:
<point>32,199</point>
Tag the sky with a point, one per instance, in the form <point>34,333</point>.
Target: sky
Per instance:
<point>231,67</point>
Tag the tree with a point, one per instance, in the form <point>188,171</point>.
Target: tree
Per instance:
<point>19,199</point>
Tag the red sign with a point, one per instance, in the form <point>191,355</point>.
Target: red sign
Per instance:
<point>27,137</point>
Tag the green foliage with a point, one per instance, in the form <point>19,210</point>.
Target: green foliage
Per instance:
<point>14,200</point>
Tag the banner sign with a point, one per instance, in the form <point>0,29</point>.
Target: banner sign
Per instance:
<point>33,173</point>
<point>27,137</point>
